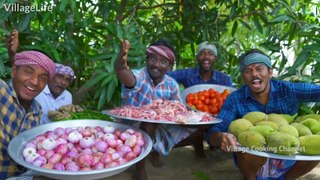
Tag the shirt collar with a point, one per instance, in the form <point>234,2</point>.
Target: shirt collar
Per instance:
<point>46,90</point>
<point>213,78</point>
<point>150,79</point>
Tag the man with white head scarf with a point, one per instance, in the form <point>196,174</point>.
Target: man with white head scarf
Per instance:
<point>204,73</point>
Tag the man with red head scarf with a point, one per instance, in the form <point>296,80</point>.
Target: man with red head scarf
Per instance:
<point>146,85</point>
<point>19,111</point>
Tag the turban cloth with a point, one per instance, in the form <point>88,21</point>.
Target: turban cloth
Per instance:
<point>61,69</point>
<point>162,51</point>
<point>206,45</point>
<point>35,58</point>
<point>254,58</point>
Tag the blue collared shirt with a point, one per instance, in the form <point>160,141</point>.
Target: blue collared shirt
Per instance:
<point>284,98</point>
<point>191,76</point>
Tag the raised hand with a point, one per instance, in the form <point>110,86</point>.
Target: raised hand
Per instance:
<point>12,44</point>
<point>125,46</point>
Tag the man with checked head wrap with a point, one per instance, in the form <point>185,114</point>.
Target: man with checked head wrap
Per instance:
<point>141,87</point>
<point>31,71</point>
<point>264,94</point>
<point>55,94</point>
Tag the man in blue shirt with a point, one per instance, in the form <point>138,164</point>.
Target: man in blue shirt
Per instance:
<point>206,56</point>
<point>262,93</point>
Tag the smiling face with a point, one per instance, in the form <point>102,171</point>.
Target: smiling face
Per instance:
<point>257,78</point>
<point>157,66</point>
<point>28,81</point>
<point>206,60</point>
<point>58,84</point>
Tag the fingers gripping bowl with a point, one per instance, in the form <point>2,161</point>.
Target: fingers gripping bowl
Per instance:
<point>18,144</point>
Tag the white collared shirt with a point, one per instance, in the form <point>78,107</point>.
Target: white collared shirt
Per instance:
<point>48,102</point>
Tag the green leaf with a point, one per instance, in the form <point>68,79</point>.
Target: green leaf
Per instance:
<point>111,88</point>
<point>282,18</point>
<point>234,28</point>
<point>102,98</point>
<point>106,81</point>
<point>24,22</point>
<point>301,59</point>
<point>100,57</point>
<point>257,24</point>
<point>96,80</point>
<point>245,24</point>
<point>233,9</point>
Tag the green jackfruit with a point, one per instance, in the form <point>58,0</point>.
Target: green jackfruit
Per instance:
<point>304,117</point>
<point>289,118</point>
<point>239,125</point>
<point>303,130</point>
<point>252,139</point>
<point>255,117</point>
<point>274,125</point>
<point>312,124</point>
<point>310,145</point>
<point>265,131</point>
<point>281,143</point>
<point>288,129</point>
<point>277,119</point>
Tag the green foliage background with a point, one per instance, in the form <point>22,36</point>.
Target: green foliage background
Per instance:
<point>85,34</point>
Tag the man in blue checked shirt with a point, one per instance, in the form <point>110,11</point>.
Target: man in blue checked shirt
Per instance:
<point>206,56</point>
<point>204,73</point>
<point>264,94</point>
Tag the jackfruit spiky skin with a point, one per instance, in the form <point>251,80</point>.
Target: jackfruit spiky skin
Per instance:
<point>265,131</point>
<point>239,125</point>
<point>271,124</point>
<point>277,119</point>
<point>281,143</point>
<point>288,129</point>
<point>310,145</point>
<point>302,130</point>
<point>252,140</point>
<point>255,117</point>
<point>312,124</point>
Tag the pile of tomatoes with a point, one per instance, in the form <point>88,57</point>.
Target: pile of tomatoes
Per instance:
<point>207,100</point>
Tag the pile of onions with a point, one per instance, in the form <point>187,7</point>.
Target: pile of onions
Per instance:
<point>83,148</point>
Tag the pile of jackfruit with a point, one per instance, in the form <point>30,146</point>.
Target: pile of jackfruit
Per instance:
<point>278,133</point>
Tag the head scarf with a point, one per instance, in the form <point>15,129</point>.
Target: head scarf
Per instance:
<point>206,45</point>
<point>62,69</point>
<point>255,58</point>
<point>35,58</point>
<point>162,51</point>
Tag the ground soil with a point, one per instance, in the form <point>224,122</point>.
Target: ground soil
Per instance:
<point>181,164</point>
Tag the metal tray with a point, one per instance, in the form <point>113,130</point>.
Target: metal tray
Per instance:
<point>18,143</point>
<point>297,156</point>
<point>201,87</point>
<point>216,120</point>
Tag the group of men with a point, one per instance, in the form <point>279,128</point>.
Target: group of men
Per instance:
<point>32,71</point>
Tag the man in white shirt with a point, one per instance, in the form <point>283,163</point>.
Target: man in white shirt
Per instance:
<point>55,94</point>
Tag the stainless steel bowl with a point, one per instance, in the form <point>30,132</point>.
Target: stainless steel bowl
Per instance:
<point>18,143</point>
<point>201,87</point>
